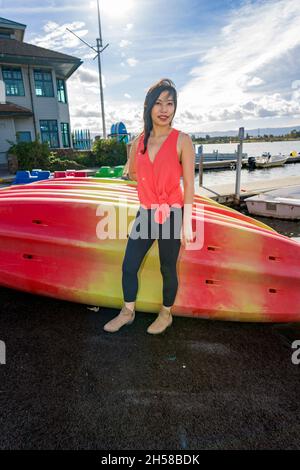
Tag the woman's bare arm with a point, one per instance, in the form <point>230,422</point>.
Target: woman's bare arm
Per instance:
<point>131,161</point>
<point>188,169</point>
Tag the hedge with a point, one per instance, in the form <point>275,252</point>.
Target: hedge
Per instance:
<point>38,155</point>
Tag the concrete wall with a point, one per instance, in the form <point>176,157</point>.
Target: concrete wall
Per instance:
<point>7,132</point>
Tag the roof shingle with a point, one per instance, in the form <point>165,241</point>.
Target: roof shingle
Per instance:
<point>14,47</point>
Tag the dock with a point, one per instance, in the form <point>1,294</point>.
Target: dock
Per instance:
<point>220,164</point>
<point>224,193</point>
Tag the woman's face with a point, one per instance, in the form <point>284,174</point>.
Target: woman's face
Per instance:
<point>163,110</point>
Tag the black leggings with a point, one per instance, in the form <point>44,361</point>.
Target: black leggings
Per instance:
<point>168,235</point>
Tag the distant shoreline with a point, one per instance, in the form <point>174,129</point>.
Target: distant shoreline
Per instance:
<point>235,140</point>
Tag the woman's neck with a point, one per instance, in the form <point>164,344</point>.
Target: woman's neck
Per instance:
<point>160,131</point>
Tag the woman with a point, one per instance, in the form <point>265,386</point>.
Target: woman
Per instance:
<point>158,157</point>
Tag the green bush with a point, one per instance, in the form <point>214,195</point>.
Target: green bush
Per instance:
<point>84,159</point>
<point>56,164</point>
<point>109,152</point>
<point>31,155</point>
<point>105,152</point>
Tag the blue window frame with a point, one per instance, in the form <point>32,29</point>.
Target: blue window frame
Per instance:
<point>12,77</point>
<point>65,134</point>
<point>49,132</point>
<point>43,83</point>
<point>61,91</point>
<point>23,136</point>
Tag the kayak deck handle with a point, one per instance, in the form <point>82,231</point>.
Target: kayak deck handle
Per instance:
<point>212,281</point>
<point>29,256</point>
<point>274,258</point>
<point>39,222</point>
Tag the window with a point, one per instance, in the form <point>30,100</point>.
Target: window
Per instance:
<point>13,81</point>
<point>49,133</point>
<point>5,34</point>
<point>65,134</point>
<point>43,83</point>
<point>61,91</point>
<point>23,136</point>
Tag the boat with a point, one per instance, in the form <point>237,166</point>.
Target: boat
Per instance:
<point>266,160</point>
<point>283,203</point>
<point>294,157</point>
<point>243,270</point>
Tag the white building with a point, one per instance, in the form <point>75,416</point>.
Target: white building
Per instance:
<point>33,92</point>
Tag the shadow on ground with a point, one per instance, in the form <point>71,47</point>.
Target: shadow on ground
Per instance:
<point>67,384</point>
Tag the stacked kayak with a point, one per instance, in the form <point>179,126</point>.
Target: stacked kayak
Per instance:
<point>49,245</point>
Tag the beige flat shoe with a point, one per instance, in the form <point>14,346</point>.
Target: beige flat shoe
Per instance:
<point>162,322</point>
<point>125,317</point>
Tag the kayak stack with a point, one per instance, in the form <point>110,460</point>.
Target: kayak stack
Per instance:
<point>52,244</point>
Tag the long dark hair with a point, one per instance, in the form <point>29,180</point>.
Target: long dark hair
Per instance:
<point>165,84</point>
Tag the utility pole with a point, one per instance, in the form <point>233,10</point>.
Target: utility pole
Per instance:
<point>99,49</point>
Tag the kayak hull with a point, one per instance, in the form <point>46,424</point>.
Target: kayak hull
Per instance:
<point>242,270</point>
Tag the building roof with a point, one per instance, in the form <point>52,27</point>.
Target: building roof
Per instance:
<point>12,27</point>
<point>10,109</point>
<point>11,24</point>
<point>17,52</point>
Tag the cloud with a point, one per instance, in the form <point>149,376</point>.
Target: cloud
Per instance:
<point>89,116</point>
<point>127,95</point>
<point>42,9</point>
<point>125,43</point>
<point>249,69</point>
<point>58,38</point>
<point>84,101</point>
<point>247,82</point>
<point>132,61</point>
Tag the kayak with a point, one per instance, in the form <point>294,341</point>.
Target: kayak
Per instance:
<point>240,270</point>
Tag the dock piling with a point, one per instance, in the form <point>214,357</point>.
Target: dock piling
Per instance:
<point>239,166</point>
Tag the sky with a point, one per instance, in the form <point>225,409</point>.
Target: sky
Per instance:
<point>234,62</point>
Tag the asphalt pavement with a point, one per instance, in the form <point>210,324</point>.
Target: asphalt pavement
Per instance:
<point>67,384</point>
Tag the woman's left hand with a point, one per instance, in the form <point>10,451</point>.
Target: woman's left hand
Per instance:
<point>186,233</point>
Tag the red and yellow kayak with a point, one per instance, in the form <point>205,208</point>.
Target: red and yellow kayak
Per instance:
<point>243,271</point>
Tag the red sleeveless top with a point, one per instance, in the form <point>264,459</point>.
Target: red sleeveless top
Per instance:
<point>159,181</point>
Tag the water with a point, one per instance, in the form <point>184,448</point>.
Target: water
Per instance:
<point>215,177</point>
<point>288,228</point>
<point>256,148</point>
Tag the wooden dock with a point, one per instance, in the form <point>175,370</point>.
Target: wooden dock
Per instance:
<point>220,164</point>
<point>224,193</point>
